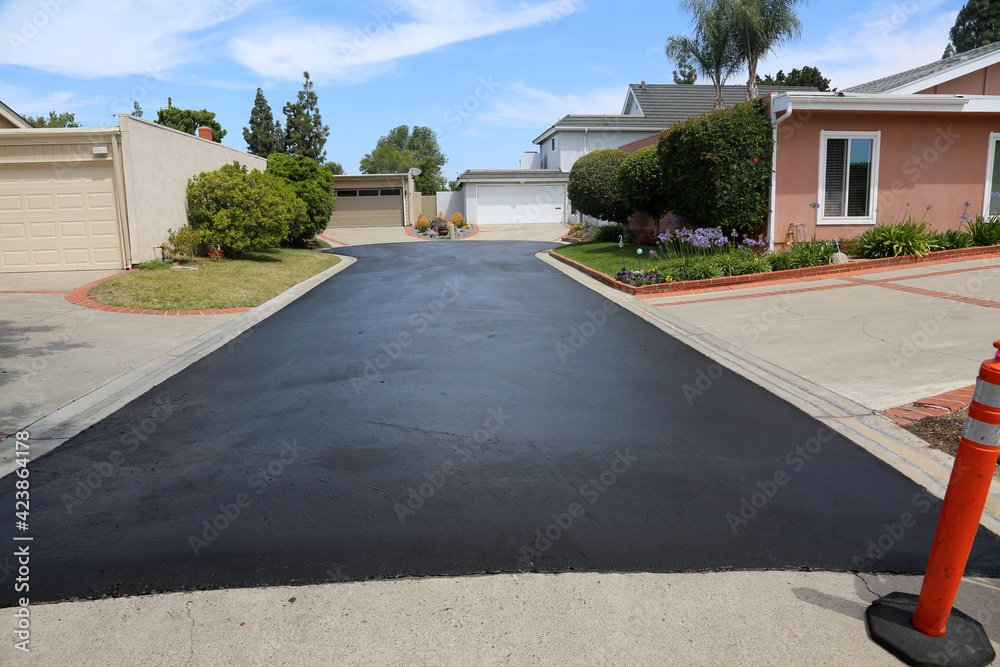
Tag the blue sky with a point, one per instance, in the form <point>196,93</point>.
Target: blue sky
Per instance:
<point>488,76</point>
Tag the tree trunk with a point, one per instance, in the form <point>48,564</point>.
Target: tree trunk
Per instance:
<point>752,81</point>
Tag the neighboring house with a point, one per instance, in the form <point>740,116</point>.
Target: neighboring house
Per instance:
<point>99,197</point>
<point>375,200</point>
<point>923,142</point>
<point>537,191</point>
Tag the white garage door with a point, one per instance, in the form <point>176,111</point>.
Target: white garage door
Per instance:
<point>521,204</point>
<point>58,218</point>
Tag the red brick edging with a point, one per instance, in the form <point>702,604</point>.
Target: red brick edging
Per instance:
<point>934,406</point>
<point>333,241</point>
<point>81,297</point>
<point>853,266</point>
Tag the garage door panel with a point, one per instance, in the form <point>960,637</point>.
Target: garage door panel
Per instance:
<point>53,219</point>
<point>521,204</point>
<point>373,211</point>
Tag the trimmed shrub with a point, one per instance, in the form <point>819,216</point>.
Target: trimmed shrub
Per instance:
<point>313,185</point>
<point>640,182</point>
<point>985,231</point>
<point>593,186</point>
<point>610,233</point>
<point>185,242</point>
<point>716,168</point>
<point>904,238</point>
<point>243,210</point>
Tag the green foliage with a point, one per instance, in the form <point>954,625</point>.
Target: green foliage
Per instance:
<point>335,168</point>
<point>985,231</point>
<point>186,119</point>
<point>802,255</point>
<point>243,210</point>
<point>609,233</point>
<point>807,76</point>
<point>712,49</point>
<point>313,185</point>
<point>640,182</point>
<point>716,168</point>
<point>738,263</point>
<point>185,242</point>
<point>136,109</point>
<point>153,265</point>
<point>953,239</point>
<point>685,74</point>
<point>977,24</point>
<point>401,150</point>
<point>593,186</point>
<point>910,237</point>
<point>758,28</point>
<point>265,135</point>
<point>64,119</point>
<point>305,133</point>
<point>693,267</point>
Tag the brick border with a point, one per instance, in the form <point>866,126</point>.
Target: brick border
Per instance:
<point>81,297</point>
<point>855,266</point>
<point>933,406</point>
<point>333,241</point>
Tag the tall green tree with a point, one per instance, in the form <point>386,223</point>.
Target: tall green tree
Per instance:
<point>977,24</point>
<point>335,168</point>
<point>760,26</point>
<point>265,135</point>
<point>305,133</point>
<point>186,120</point>
<point>685,74</point>
<point>64,119</point>
<point>712,47</point>
<point>401,150</point>
<point>136,109</point>
<point>807,76</point>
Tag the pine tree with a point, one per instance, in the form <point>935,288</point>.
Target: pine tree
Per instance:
<point>685,74</point>
<point>977,24</point>
<point>136,109</point>
<point>305,133</point>
<point>264,136</point>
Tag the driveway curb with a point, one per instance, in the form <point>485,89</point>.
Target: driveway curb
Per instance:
<point>57,427</point>
<point>876,434</point>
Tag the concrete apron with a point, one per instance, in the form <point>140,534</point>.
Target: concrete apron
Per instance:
<point>879,436</point>
<point>54,429</point>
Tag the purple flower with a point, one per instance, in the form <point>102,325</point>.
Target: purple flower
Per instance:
<point>966,217</point>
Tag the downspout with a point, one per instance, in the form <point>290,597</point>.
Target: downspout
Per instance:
<point>775,122</point>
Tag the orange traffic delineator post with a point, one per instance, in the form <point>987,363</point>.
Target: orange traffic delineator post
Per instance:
<point>928,630</point>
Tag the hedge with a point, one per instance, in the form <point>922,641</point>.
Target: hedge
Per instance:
<point>640,181</point>
<point>314,186</point>
<point>716,168</point>
<point>593,186</point>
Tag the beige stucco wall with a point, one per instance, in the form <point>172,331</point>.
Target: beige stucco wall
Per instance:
<point>158,163</point>
<point>935,160</point>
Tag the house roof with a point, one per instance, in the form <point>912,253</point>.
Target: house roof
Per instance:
<point>512,176</point>
<point>671,103</point>
<point>925,103</point>
<point>659,105</point>
<point>17,119</point>
<point>927,76</point>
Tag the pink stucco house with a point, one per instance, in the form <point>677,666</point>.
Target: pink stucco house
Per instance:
<point>922,142</point>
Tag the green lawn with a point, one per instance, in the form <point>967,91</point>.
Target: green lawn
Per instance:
<point>605,257</point>
<point>232,283</point>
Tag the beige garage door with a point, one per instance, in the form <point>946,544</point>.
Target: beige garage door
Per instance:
<point>58,218</point>
<point>368,208</point>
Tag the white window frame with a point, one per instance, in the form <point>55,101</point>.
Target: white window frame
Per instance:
<point>988,181</point>
<point>872,217</point>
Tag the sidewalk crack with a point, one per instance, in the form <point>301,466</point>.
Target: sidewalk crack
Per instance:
<point>875,595</point>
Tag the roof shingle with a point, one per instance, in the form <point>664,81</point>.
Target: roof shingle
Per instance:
<point>893,82</point>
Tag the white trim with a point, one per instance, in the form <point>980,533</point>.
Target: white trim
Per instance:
<point>949,74</point>
<point>555,129</point>
<point>919,103</point>
<point>872,217</point>
<point>631,95</point>
<point>988,181</point>
<point>775,122</point>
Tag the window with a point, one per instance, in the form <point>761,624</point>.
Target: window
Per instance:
<point>553,143</point>
<point>991,204</point>
<point>368,193</point>
<point>848,182</point>
<point>392,191</point>
<point>347,193</point>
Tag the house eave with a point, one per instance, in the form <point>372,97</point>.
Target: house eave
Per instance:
<point>888,102</point>
<point>649,129</point>
<point>944,76</point>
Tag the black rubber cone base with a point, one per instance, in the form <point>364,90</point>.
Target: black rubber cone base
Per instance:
<point>964,645</point>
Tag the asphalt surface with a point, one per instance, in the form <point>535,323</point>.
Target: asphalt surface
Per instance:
<point>457,408</point>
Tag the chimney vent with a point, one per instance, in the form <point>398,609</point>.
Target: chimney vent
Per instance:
<point>205,132</point>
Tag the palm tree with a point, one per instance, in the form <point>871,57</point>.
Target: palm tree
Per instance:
<point>712,47</point>
<point>758,27</point>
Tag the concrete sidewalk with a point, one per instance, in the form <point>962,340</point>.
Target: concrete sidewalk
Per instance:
<point>727,618</point>
<point>372,235</point>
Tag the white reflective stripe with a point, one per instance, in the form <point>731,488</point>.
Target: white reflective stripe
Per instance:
<point>987,393</point>
<point>982,433</point>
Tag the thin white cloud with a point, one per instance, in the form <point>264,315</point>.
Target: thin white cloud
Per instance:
<point>521,106</point>
<point>890,38</point>
<point>92,39</point>
<point>405,28</point>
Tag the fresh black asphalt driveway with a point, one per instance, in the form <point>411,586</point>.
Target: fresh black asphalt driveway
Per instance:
<point>457,408</point>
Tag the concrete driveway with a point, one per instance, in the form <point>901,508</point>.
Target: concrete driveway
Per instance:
<point>446,409</point>
<point>53,352</point>
<point>375,235</point>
